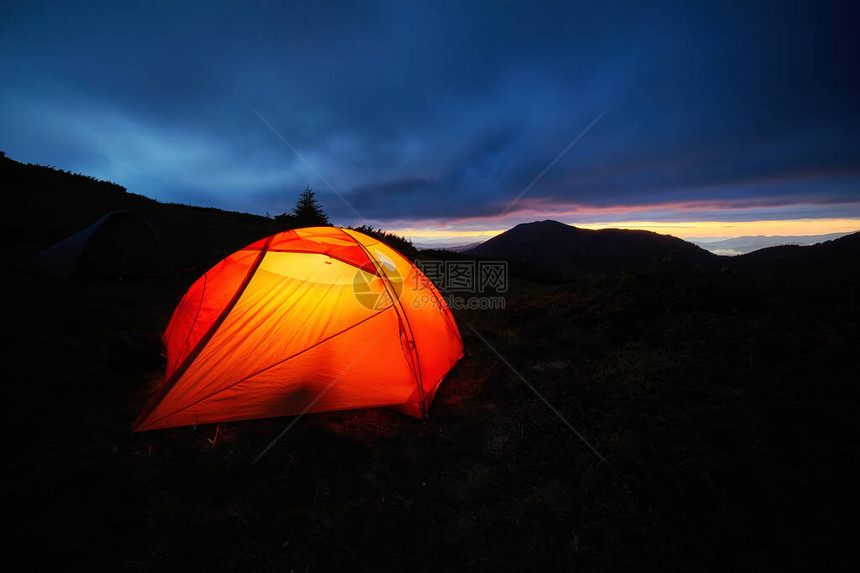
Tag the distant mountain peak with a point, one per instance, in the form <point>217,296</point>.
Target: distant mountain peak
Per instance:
<point>557,245</point>
<point>545,223</point>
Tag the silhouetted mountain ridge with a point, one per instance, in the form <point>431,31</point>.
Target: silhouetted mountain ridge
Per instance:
<point>842,251</point>
<point>551,244</point>
<point>566,249</point>
<point>748,244</point>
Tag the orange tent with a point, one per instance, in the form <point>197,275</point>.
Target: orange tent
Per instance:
<point>309,320</point>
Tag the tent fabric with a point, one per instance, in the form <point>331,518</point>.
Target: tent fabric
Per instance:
<point>120,244</point>
<point>308,320</point>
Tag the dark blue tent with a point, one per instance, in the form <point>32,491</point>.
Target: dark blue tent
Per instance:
<point>120,244</point>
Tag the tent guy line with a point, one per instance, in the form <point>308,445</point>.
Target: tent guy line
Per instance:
<point>539,395</point>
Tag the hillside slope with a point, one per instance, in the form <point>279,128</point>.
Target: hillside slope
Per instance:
<point>833,253</point>
<point>44,205</point>
<point>748,244</point>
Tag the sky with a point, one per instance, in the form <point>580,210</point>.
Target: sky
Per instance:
<point>452,121</point>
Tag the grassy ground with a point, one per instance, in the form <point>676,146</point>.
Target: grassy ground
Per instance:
<point>723,404</point>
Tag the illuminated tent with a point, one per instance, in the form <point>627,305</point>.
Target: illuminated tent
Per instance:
<point>309,320</point>
<point>120,244</point>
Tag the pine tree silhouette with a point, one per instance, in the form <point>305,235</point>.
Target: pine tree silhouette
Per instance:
<point>307,212</point>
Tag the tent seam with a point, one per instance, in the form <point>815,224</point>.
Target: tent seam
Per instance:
<point>269,367</point>
<point>402,318</point>
<point>199,306</point>
<point>341,259</point>
<point>189,359</point>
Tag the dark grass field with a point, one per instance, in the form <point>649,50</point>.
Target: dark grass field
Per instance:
<point>723,404</point>
<point>723,401</point>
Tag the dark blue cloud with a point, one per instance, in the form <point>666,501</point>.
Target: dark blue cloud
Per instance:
<point>440,110</point>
